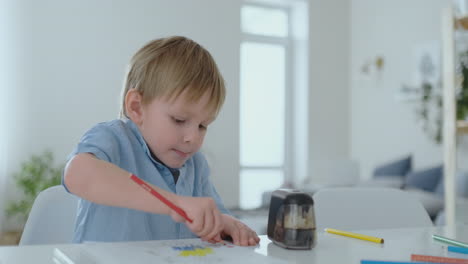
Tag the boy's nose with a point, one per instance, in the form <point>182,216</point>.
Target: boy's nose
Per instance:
<point>190,135</point>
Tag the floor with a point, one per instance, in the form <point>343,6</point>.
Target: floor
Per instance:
<point>9,238</point>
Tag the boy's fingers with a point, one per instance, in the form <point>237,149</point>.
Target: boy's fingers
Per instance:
<point>207,225</point>
<point>255,238</point>
<point>197,225</point>
<point>177,218</point>
<point>244,234</point>
<point>252,241</point>
<point>215,240</point>
<point>215,237</point>
<point>218,238</point>
<point>217,226</point>
<point>235,237</point>
<point>219,223</point>
<point>254,235</point>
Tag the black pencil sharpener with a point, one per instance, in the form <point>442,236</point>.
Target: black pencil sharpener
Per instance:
<point>291,219</point>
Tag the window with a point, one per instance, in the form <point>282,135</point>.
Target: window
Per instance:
<point>268,88</point>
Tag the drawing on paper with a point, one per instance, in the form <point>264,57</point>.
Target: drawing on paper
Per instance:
<point>193,250</point>
<point>175,251</point>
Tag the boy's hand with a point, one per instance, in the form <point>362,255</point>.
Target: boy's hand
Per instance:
<point>205,216</point>
<point>241,234</point>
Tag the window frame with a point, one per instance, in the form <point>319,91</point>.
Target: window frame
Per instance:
<point>287,43</point>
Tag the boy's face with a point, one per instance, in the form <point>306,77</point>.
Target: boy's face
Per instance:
<point>174,130</point>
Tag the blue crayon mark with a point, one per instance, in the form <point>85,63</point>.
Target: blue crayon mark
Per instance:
<point>190,247</point>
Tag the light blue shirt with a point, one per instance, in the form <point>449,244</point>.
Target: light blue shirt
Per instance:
<point>120,142</point>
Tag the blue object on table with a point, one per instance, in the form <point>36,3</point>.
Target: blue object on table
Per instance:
<point>391,262</point>
<point>458,249</point>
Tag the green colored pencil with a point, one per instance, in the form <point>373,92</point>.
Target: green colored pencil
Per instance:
<point>449,241</point>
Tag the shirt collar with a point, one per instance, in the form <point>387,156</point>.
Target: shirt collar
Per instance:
<point>136,131</point>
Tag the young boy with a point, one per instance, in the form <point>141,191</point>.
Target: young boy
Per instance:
<point>172,93</point>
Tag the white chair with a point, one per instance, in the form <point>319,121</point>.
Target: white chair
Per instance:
<point>353,208</point>
<point>333,172</point>
<point>52,218</point>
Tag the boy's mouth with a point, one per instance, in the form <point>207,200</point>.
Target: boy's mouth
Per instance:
<point>181,153</point>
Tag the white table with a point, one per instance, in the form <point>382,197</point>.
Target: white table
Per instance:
<point>399,245</point>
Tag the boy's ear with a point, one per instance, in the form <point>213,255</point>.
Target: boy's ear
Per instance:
<point>134,106</point>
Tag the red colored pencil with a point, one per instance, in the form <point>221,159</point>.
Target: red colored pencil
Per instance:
<point>437,259</point>
<point>149,189</point>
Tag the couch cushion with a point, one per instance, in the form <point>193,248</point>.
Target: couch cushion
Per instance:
<point>383,182</point>
<point>461,185</point>
<point>432,203</point>
<point>397,168</point>
<point>426,179</point>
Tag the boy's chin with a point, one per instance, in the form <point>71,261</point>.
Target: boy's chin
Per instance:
<point>175,164</point>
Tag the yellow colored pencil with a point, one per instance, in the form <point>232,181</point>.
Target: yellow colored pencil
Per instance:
<point>355,235</point>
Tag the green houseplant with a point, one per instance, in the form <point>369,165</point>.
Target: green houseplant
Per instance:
<point>430,110</point>
<point>36,174</point>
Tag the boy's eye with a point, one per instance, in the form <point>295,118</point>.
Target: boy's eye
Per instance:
<point>202,127</point>
<point>178,121</point>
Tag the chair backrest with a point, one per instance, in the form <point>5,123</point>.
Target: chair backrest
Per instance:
<point>335,172</point>
<point>354,208</point>
<point>52,218</point>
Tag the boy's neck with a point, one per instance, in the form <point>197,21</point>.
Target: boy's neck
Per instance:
<point>175,172</point>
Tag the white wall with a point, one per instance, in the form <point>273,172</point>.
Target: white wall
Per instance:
<point>70,58</point>
<point>329,126</point>
<point>381,127</point>
<point>67,61</point>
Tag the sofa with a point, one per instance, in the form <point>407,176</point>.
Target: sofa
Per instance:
<point>426,184</point>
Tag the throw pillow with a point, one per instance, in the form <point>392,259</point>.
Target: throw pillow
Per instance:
<point>461,185</point>
<point>397,168</point>
<point>426,179</point>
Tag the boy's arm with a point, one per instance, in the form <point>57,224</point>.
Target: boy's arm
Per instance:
<point>104,183</point>
<point>240,233</point>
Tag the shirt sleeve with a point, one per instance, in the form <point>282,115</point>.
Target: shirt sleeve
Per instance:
<point>101,141</point>
<point>208,188</point>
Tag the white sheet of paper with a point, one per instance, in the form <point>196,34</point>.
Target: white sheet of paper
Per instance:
<point>193,251</point>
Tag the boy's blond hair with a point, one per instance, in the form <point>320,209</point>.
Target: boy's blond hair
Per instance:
<point>169,66</point>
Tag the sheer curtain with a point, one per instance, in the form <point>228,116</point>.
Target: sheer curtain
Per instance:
<point>10,53</point>
<point>4,83</point>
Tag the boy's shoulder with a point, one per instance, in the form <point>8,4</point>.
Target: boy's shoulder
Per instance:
<point>115,125</point>
<point>111,123</point>
<point>116,128</point>
<point>199,160</point>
